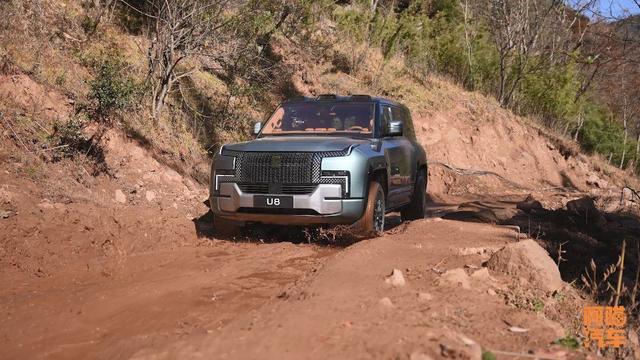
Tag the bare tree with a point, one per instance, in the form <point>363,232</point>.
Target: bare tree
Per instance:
<point>181,29</point>
<point>516,28</point>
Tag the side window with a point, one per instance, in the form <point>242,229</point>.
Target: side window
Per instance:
<point>400,114</point>
<point>386,119</point>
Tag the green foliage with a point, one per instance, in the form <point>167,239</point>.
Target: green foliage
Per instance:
<point>551,91</point>
<point>601,134</point>
<point>111,90</point>
<point>488,355</point>
<point>569,342</point>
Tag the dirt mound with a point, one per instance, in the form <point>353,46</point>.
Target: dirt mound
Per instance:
<point>526,259</point>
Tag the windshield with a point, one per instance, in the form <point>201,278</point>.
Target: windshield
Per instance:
<point>321,118</point>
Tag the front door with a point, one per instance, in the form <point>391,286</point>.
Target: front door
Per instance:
<point>400,160</point>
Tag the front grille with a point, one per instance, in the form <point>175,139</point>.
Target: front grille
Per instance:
<point>296,173</point>
<point>281,168</point>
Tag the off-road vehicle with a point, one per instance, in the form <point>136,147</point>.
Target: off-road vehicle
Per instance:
<point>325,160</point>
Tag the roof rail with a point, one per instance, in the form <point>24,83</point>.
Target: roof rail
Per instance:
<point>327,97</point>
<point>360,97</point>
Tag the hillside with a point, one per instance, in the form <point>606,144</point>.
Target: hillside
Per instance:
<point>108,250</point>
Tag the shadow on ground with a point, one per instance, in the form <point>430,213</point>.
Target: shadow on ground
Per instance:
<point>573,235</point>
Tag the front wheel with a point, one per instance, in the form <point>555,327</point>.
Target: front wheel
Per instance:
<point>417,208</point>
<point>372,222</point>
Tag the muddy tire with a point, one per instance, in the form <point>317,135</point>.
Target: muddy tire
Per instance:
<point>372,222</point>
<point>416,209</point>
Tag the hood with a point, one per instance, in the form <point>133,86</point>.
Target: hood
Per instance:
<point>297,144</point>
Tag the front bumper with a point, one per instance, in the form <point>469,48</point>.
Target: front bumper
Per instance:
<point>323,206</point>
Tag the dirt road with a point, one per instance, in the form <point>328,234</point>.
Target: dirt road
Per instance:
<point>149,299</point>
<point>226,299</point>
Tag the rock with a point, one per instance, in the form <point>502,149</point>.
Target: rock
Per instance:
<point>526,259</point>
<point>423,296</point>
<point>492,292</point>
<point>529,204</point>
<point>120,197</point>
<point>150,195</point>
<point>386,302</point>
<point>595,180</point>
<point>586,209</point>
<point>517,329</point>
<point>482,275</point>
<point>416,355</point>
<point>5,214</point>
<point>396,278</point>
<point>456,277</point>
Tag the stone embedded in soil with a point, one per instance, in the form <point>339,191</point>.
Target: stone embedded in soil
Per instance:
<point>527,260</point>
<point>120,196</point>
<point>423,296</point>
<point>150,195</point>
<point>396,278</point>
<point>456,277</point>
<point>482,275</point>
<point>595,180</point>
<point>491,292</point>
<point>386,302</point>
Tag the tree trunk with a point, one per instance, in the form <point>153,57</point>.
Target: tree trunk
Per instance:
<point>637,162</point>
<point>624,124</point>
<point>580,123</point>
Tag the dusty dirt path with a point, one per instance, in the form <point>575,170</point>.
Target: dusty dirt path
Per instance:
<point>338,312</point>
<point>148,299</point>
<point>278,300</point>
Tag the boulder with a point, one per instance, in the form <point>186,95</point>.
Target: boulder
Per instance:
<point>529,204</point>
<point>526,259</point>
<point>585,208</point>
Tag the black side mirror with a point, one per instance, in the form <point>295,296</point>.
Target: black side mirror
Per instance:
<point>395,128</point>
<point>256,128</point>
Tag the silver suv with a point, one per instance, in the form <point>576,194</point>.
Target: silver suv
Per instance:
<point>324,160</point>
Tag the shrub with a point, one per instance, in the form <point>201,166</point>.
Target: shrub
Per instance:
<point>111,90</point>
<point>601,134</point>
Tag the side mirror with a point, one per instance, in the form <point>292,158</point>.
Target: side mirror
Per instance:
<point>395,128</point>
<point>256,128</point>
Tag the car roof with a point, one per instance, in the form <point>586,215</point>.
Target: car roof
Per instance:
<point>348,98</point>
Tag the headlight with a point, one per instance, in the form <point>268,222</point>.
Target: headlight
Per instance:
<point>336,177</point>
<point>223,168</point>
